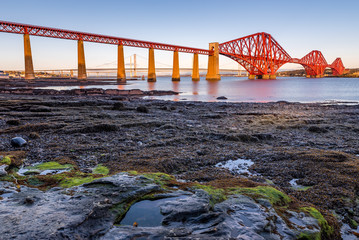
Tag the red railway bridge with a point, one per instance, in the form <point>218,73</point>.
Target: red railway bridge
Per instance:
<point>260,54</point>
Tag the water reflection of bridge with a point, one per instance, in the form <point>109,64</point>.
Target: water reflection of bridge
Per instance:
<point>133,72</point>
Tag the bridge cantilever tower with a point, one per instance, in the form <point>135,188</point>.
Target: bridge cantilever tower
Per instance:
<point>314,64</point>
<point>260,54</point>
<point>337,67</point>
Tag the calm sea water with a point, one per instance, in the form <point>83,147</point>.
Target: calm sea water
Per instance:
<point>236,89</point>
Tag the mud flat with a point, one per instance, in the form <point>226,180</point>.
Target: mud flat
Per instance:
<point>302,177</point>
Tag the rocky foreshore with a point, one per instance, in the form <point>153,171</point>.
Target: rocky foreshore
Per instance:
<point>85,92</point>
<point>89,157</point>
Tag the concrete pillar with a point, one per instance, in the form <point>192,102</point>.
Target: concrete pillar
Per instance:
<point>175,71</point>
<point>307,76</point>
<point>272,76</point>
<point>151,66</point>
<point>121,73</point>
<point>81,73</point>
<point>134,66</point>
<point>251,77</point>
<point>265,76</point>
<point>29,68</point>
<point>213,63</point>
<point>195,70</point>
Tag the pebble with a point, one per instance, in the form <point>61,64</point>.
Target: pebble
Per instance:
<point>18,142</point>
<point>222,98</point>
<point>142,109</point>
<point>118,106</point>
<point>29,200</point>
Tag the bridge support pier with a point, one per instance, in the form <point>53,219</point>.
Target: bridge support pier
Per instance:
<point>175,71</point>
<point>151,66</point>
<point>213,63</point>
<point>265,76</point>
<point>251,77</point>
<point>29,68</point>
<point>121,73</point>
<point>272,76</point>
<point>314,76</point>
<point>195,70</point>
<point>81,74</point>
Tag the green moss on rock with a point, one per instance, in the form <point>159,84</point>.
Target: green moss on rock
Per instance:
<point>326,229</point>
<point>100,169</point>
<point>75,181</point>
<point>158,178</point>
<point>304,188</point>
<point>51,166</point>
<point>274,196</point>
<point>217,194</point>
<point>6,160</point>
<point>132,172</point>
<point>309,236</point>
<point>34,181</point>
<point>353,224</point>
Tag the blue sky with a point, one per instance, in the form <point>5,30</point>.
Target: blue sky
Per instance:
<point>299,26</point>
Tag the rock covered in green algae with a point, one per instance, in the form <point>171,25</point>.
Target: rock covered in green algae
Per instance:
<point>100,169</point>
<point>5,160</point>
<point>238,217</point>
<point>206,213</point>
<point>45,168</point>
<point>90,211</point>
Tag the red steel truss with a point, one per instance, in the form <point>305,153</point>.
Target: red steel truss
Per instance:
<point>337,67</point>
<point>259,53</point>
<point>314,63</point>
<point>11,27</point>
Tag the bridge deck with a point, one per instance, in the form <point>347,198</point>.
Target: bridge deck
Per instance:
<point>20,28</point>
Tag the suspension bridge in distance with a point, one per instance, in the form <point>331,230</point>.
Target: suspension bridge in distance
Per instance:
<point>135,72</point>
<point>260,54</point>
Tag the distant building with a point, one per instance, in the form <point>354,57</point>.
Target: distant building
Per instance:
<point>4,75</point>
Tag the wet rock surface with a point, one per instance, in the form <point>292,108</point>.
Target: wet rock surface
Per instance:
<point>89,212</point>
<point>314,143</point>
<point>239,217</point>
<point>65,214</point>
<point>3,170</point>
